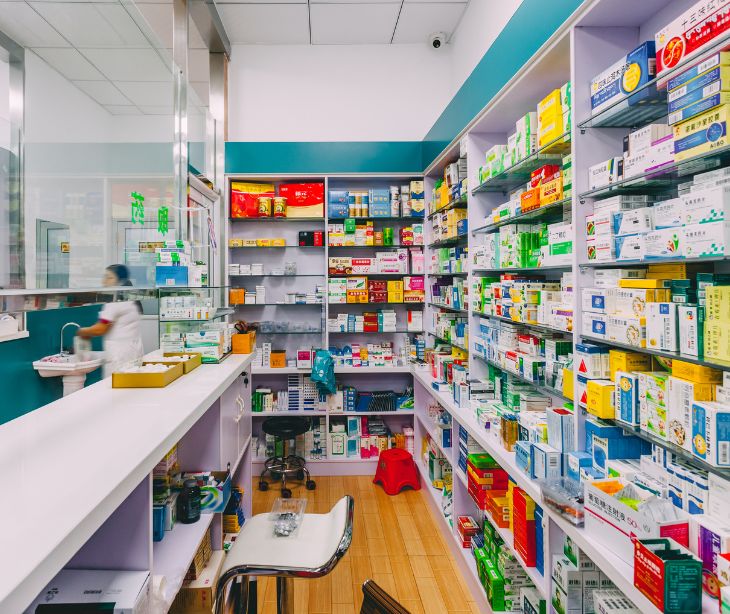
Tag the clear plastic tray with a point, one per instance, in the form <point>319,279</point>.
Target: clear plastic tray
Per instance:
<point>564,496</point>
<point>287,515</point>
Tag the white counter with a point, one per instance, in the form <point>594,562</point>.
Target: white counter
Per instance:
<point>68,465</point>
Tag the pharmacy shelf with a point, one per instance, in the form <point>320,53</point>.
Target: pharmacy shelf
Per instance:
<point>460,475</point>
<point>645,105</point>
<point>434,492</point>
<point>528,269</point>
<point>373,305</point>
<point>724,366</point>
<point>452,343</point>
<point>398,246</point>
<point>456,274</point>
<point>547,211</point>
<point>348,370</point>
<point>219,313</point>
<point>540,582</point>
<point>266,275</point>
<point>674,449</point>
<point>376,218</point>
<point>540,387</point>
<point>384,275</point>
<point>289,332</point>
<point>640,263</point>
<point>448,308</point>
<point>376,332</point>
<point>450,242</point>
<point>252,247</point>
<point>293,412</point>
<point>540,327</point>
<point>519,174</point>
<point>432,429</point>
<point>278,220</point>
<point>172,556</point>
<point>312,412</point>
<point>457,203</point>
<point>239,305</point>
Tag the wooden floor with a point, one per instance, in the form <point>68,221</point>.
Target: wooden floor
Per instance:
<point>395,542</point>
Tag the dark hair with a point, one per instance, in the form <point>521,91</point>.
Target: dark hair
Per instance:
<point>122,273</point>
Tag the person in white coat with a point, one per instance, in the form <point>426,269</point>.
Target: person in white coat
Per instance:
<point>118,324</point>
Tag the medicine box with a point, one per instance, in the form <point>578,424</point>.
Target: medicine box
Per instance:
<point>661,326</point>
<point>699,107</point>
<point>110,591</point>
<point>545,462</point>
<point>699,71</point>
<point>627,329</point>
<point>711,433</point>
<point>628,74</point>
<point>600,395</point>
<point>594,324</point>
<point>573,463</point>
<point>689,34</point>
<point>633,222</point>
<point>706,240</point>
<point>601,248</point>
<point>719,76</point>
<point>665,243</point>
<point>594,300</point>
<point>627,397</point>
<point>591,360</point>
<point>669,213</point>
<point>629,247</point>
<point>702,134</point>
<point>681,396</point>
<point>620,360</point>
<point>690,330</point>
<point>605,173</point>
<point>568,580</point>
<point>696,373</point>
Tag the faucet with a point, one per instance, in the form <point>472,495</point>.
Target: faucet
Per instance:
<point>63,328</point>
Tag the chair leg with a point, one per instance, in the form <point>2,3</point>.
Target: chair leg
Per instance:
<point>284,596</point>
<point>235,598</point>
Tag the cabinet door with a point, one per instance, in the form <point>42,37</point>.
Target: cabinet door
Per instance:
<point>244,424</point>
<point>230,413</point>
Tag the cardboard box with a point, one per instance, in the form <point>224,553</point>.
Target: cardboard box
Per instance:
<point>678,84</point>
<point>711,433</point>
<point>198,596</point>
<point>700,107</point>
<point>661,326</point>
<point>627,398</point>
<point>665,243</point>
<point>681,398</point>
<point>600,395</point>
<point>630,247</point>
<point>605,173</point>
<point>633,221</point>
<point>706,240</point>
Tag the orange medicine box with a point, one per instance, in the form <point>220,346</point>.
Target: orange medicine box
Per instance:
<point>530,200</point>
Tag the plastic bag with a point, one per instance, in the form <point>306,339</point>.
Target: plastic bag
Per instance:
<point>323,372</point>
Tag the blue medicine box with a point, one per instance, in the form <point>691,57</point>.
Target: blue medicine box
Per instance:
<point>601,429</point>
<point>338,207</point>
<point>627,398</point>
<point>522,455</point>
<point>574,461</point>
<point>462,227</point>
<point>213,499</point>
<point>539,541</point>
<point>158,522</point>
<point>170,275</point>
<point>629,74</point>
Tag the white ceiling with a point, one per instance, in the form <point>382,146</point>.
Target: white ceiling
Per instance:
<point>118,57</point>
<point>338,22</point>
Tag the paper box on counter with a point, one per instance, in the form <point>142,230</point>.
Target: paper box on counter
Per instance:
<point>612,523</point>
<point>148,380</point>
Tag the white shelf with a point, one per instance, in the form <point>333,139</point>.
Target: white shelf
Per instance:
<point>172,556</point>
<point>23,334</point>
<point>294,370</point>
<point>309,412</point>
<point>431,429</point>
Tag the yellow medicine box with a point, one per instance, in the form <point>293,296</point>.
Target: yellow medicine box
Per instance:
<point>696,373</point>
<point>553,128</point>
<point>667,271</point>
<point>701,134</point>
<point>551,191</point>
<point>395,296</point>
<point>395,285</point>
<point>718,304</point>
<point>717,340</point>
<point>550,105</point>
<point>644,283</point>
<point>263,242</point>
<point>600,398</point>
<point>278,242</point>
<point>568,383</point>
<point>618,360</point>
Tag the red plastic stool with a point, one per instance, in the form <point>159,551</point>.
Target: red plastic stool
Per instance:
<point>396,470</point>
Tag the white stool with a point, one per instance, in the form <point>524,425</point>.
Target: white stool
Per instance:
<point>321,541</point>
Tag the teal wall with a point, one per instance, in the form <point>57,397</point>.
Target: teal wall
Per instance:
<point>26,390</point>
<point>533,23</point>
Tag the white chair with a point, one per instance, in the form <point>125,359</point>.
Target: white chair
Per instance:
<point>321,541</point>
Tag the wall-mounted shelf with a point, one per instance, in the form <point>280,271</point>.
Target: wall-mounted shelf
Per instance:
<point>541,213</point>
<point>540,327</point>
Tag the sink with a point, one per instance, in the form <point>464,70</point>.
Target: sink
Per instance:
<point>72,371</point>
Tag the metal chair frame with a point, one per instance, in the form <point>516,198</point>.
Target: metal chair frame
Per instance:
<point>236,601</point>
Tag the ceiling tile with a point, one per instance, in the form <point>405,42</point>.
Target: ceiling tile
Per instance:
<point>266,23</point>
<point>418,21</point>
<point>130,64</point>
<point>146,93</point>
<point>122,109</point>
<point>156,110</point>
<point>103,92</point>
<point>21,23</point>
<point>159,18</point>
<point>92,24</point>
<point>71,64</point>
<point>342,24</point>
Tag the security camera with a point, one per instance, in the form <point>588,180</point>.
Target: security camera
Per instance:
<point>437,39</point>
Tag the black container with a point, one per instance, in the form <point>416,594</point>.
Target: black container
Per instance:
<point>188,503</point>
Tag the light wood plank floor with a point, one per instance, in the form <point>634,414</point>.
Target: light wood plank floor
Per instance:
<point>395,542</point>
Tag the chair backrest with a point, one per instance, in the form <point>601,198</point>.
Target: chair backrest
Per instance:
<point>377,601</point>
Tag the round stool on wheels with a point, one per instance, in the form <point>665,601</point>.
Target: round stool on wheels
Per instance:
<point>285,466</point>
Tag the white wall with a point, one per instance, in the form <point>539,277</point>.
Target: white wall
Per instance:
<point>335,92</point>
<point>481,23</point>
